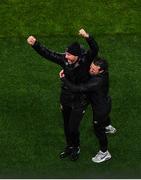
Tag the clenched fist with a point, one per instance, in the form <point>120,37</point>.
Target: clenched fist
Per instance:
<point>83,33</point>
<point>31,40</point>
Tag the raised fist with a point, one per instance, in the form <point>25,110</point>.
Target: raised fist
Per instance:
<point>83,33</point>
<point>31,40</point>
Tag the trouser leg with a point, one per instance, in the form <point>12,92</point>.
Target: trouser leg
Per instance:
<point>107,121</point>
<point>107,118</point>
<point>99,127</point>
<point>72,119</point>
<point>74,123</point>
<point>66,112</point>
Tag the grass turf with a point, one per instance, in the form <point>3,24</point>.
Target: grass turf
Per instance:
<point>31,125</point>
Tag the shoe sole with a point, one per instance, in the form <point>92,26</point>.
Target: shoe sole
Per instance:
<point>111,132</point>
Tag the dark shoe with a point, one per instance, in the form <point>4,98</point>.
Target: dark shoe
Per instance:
<point>67,151</point>
<point>74,154</point>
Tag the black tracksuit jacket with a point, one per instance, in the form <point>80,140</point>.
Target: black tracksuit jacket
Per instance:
<point>97,89</point>
<point>76,73</point>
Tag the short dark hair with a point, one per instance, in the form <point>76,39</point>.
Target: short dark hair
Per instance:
<point>101,62</point>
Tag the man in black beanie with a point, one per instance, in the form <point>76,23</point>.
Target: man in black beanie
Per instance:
<point>76,63</point>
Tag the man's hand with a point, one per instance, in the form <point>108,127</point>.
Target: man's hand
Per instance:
<point>83,33</point>
<point>61,74</point>
<point>31,40</point>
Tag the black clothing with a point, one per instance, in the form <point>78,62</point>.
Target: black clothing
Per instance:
<point>99,128</point>
<point>97,91</point>
<point>72,118</point>
<point>76,73</point>
<point>73,103</point>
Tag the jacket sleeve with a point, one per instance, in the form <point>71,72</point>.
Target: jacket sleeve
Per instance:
<point>91,85</point>
<point>93,51</point>
<point>57,58</point>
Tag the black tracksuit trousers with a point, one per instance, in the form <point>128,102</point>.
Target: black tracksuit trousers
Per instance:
<point>100,122</point>
<point>72,118</point>
<point>101,119</point>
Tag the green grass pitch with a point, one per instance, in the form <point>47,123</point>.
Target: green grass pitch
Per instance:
<point>31,127</point>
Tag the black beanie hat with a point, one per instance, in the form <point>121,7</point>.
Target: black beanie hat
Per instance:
<point>74,49</point>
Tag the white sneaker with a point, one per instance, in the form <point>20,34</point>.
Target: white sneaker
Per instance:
<point>101,156</point>
<point>110,129</point>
